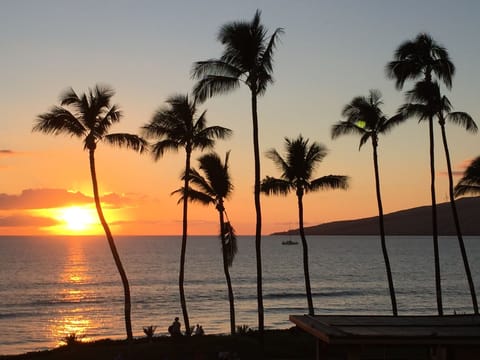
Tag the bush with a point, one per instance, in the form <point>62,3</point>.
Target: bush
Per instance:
<point>149,331</point>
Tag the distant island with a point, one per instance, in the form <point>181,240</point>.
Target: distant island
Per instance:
<point>415,221</point>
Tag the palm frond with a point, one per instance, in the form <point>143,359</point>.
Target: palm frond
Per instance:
<point>277,159</point>
<point>111,116</point>
<point>266,60</point>
<point>230,242</point>
<point>212,85</point>
<point>421,111</point>
<point>388,124</point>
<point>201,69</point>
<point>464,189</point>
<point>160,147</point>
<point>59,121</point>
<point>328,182</point>
<point>470,182</point>
<point>216,175</point>
<point>200,197</point>
<point>346,128</point>
<point>464,120</point>
<point>365,137</point>
<point>129,141</point>
<point>204,185</point>
<point>69,97</point>
<point>274,186</point>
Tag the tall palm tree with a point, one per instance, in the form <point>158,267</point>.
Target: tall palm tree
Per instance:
<point>417,59</point>
<point>365,118</point>
<point>175,126</point>
<point>247,58</point>
<point>297,167</point>
<point>213,188</point>
<point>470,182</point>
<point>90,116</point>
<point>426,100</point>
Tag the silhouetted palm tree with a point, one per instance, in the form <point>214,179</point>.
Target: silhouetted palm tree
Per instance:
<point>297,169</point>
<point>90,116</point>
<point>213,188</point>
<point>416,59</point>
<point>176,126</point>
<point>470,182</point>
<point>365,118</point>
<point>425,100</point>
<point>247,58</point>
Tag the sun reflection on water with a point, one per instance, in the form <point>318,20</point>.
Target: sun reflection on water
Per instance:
<point>72,314</point>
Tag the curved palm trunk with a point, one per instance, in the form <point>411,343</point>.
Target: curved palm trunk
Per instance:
<point>113,248</point>
<point>258,211</point>
<point>181,276</point>
<point>306,271</point>
<point>227,274</point>
<point>382,230</point>
<point>438,282</point>
<point>457,221</point>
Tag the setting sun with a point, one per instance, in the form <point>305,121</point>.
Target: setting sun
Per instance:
<point>75,219</point>
<point>78,218</point>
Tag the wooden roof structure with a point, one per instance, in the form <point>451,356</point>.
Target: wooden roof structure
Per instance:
<point>360,331</point>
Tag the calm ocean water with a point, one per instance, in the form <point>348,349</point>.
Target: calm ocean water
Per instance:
<point>53,286</point>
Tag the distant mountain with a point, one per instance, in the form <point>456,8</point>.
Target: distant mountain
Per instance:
<point>415,221</point>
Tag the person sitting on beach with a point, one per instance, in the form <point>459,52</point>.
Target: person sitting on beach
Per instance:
<point>174,329</point>
<point>199,330</point>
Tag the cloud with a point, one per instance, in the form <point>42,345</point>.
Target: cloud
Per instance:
<point>459,168</point>
<point>26,220</point>
<point>54,198</point>
<point>8,152</point>
<point>42,199</point>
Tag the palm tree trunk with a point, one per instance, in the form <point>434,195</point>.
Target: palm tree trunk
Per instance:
<point>113,248</point>
<point>382,230</point>
<point>181,276</point>
<point>258,212</point>
<point>306,271</point>
<point>438,282</point>
<point>457,221</point>
<point>227,274</point>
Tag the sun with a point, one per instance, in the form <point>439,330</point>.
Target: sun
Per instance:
<point>77,218</point>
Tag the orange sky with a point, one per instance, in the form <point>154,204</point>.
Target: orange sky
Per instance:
<point>330,53</point>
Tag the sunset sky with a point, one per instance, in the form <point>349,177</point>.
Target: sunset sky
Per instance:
<point>331,51</point>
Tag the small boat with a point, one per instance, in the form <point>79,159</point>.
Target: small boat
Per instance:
<point>289,242</point>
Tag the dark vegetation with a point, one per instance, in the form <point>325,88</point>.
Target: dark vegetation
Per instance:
<point>279,344</point>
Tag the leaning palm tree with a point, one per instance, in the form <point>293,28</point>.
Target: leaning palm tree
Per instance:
<point>470,182</point>
<point>213,188</point>
<point>247,58</point>
<point>297,169</point>
<point>176,126</point>
<point>90,116</point>
<point>365,118</point>
<point>417,59</point>
<point>423,101</point>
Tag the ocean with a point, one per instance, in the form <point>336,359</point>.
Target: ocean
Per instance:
<point>54,286</point>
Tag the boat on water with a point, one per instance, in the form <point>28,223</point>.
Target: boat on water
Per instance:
<point>289,242</point>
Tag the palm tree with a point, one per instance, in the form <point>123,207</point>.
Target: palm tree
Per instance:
<point>425,100</point>
<point>297,169</point>
<point>247,58</point>
<point>365,118</point>
<point>90,116</point>
<point>470,182</point>
<point>415,59</point>
<point>176,126</point>
<point>213,188</point>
